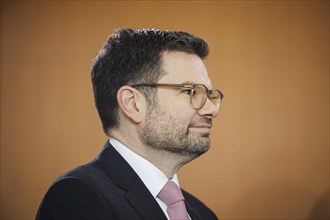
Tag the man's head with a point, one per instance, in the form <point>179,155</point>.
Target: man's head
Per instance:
<point>186,103</point>
<point>129,57</point>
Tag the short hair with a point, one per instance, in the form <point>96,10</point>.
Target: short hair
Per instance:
<point>134,56</point>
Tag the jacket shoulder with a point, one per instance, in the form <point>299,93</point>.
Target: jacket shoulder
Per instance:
<point>73,195</point>
<point>73,198</point>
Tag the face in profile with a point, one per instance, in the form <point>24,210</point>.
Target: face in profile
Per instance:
<point>173,124</point>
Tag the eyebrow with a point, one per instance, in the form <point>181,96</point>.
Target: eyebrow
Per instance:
<point>192,83</point>
<point>189,83</point>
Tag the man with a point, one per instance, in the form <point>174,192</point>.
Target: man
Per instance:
<point>156,103</point>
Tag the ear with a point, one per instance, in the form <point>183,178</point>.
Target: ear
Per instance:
<point>130,103</point>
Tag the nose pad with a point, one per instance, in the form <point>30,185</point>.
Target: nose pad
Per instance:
<point>209,109</point>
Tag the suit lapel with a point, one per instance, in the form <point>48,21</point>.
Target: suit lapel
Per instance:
<point>191,210</point>
<point>125,177</point>
<point>142,200</point>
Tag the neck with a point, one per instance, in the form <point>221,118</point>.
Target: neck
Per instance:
<point>169,163</point>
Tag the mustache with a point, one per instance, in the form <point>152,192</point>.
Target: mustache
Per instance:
<point>202,121</point>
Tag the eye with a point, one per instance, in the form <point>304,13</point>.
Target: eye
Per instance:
<point>187,91</point>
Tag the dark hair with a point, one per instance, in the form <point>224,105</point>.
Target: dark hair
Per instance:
<point>134,56</point>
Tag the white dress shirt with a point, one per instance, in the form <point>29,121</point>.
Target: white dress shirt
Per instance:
<point>152,177</point>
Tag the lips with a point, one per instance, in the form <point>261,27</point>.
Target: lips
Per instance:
<point>202,126</point>
<point>201,130</point>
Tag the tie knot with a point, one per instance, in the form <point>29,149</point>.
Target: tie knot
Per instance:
<point>171,193</point>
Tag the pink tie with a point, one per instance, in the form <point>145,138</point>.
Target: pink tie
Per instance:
<point>172,196</point>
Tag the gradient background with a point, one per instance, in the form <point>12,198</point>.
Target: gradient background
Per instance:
<point>270,144</point>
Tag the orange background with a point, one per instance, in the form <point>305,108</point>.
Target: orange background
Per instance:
<point>270,144</point>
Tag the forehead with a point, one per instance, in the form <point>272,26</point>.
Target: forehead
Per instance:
<point>181,67</point>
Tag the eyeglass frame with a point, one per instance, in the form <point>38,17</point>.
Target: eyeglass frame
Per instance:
<point>186,86</point>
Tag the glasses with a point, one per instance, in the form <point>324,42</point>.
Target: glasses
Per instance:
<point>198,93</point>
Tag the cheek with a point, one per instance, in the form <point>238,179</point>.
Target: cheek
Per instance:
<point>177,106</point>
<point>181,113</point>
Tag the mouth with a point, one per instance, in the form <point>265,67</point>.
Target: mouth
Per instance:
<point>201,128</point>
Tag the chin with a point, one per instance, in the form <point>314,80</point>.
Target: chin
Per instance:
<point>200,150</point>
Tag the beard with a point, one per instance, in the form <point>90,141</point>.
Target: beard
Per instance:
<point>164,132</point>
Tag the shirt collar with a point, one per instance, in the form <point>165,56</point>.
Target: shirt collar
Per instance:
<point>152,177</point>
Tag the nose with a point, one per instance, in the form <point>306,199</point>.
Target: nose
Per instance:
<point>209,109</point>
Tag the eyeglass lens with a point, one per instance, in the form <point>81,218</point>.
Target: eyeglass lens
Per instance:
<point>199,96</point>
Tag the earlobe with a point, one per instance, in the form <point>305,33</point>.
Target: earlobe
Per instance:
<point>128,100</point>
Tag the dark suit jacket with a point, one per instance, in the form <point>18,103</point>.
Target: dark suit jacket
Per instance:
<point>108,188</point>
